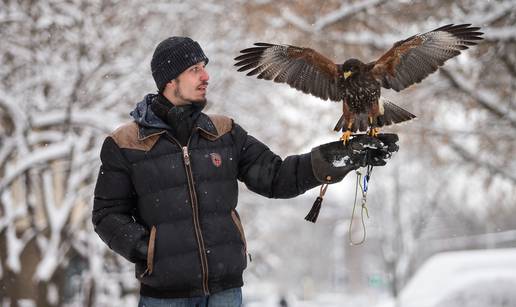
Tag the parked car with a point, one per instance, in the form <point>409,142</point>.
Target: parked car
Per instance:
<point>478,278</point>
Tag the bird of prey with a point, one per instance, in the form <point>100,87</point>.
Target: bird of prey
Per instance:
<point>358,84</point>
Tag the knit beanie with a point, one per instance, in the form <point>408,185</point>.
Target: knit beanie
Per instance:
<point>173,56</point>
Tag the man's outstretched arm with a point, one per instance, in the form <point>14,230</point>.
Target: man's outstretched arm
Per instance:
<point>266,173</point>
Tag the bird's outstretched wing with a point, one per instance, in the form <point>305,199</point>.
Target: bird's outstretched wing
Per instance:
<point>410,61</point>
<point>302,68</point>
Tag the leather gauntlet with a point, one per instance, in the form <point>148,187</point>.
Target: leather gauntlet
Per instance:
<point>331,162</point>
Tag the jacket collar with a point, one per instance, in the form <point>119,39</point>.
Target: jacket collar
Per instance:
<point>203,124</point>
<point>149,124</point>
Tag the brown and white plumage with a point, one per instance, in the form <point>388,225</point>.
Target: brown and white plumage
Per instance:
<point>355,83</point>
<point>410,61</point>
<point>302,68</point>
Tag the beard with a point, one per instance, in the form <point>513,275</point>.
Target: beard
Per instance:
<point>195,103</point>
<point>198,102</point>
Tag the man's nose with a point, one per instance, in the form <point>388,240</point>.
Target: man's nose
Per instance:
<point>204,75</point>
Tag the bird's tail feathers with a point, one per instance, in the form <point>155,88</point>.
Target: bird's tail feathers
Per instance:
<point>392,114</point>
<point>340,123</point>
<point>360,123</point>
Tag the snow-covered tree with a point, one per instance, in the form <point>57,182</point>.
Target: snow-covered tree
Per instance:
<point>72,70</point>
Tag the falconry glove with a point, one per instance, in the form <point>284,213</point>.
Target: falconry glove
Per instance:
<point>331,162</point>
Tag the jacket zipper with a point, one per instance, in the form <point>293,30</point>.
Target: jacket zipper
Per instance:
<point>197,225</point>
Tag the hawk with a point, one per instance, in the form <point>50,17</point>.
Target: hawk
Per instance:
<point>357,84</point>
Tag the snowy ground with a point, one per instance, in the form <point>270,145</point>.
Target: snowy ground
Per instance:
<point>473,278</point>
<point>467,278</point>
<point>325,299</point>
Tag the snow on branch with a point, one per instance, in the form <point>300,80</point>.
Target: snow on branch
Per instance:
<point>501,34</point>
<point>368,38</point>
<point>12,108</point>
<point>33,159</point>
<point>344,11</point>
<point>15,244</point>
<point>486,98</point>
<point>94,118</point>
<point>11,211</point>
<point>17,117</point>
<point>493,169</point>
<point>489,16</point>
<point>6,149</point>
<point>296,20</point>
<point>57,217</point>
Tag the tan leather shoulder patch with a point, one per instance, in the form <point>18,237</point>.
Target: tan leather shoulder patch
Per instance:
<point>222,123</point>
<point>126,136</point>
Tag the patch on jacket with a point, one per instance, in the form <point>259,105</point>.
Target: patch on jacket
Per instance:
<point>127,136</point>
<point>216,159</point>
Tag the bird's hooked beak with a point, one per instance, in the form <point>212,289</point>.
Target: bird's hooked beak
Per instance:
<point>347,74</point>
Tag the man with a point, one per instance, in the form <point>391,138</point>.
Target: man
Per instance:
<point>166,193</point>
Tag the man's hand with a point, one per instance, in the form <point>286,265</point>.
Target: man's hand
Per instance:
<point>141,250</point>
<point>332,161</point>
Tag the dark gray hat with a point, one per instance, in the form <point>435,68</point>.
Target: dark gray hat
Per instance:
<point>173,56</point>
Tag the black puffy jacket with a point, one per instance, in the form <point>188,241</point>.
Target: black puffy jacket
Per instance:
<point>181,201</point>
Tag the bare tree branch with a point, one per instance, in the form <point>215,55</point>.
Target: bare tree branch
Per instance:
<point>486,99</point>
<point>42,156</point>
<point>346,10</point>
<point>471,158</point>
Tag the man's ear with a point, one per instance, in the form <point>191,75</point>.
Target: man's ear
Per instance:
<point>172,84</point>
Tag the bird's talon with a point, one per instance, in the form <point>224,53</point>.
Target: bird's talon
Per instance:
<point>373,132</point>
<point>345,137</point>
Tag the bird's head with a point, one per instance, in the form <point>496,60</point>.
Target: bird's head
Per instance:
<point>351,67</point>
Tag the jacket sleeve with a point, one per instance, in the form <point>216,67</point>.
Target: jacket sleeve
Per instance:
<point>114,206</point>
<point>266,173</point>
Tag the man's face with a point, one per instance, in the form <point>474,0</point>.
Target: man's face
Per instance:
<point>191,85</point>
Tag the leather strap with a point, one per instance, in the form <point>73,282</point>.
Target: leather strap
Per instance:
<point>150,252</point>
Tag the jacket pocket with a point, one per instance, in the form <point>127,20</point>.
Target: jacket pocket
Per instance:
<point>238,224</point>
<point>150,253</point>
